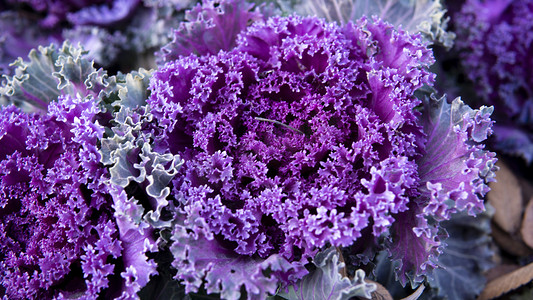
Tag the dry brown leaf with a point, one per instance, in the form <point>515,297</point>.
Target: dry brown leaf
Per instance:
<point>381,292</point>
<point>341,259</point>
<point>500,270</point>
<point>512,244</point>
<point>527,225</point>
<point>507,283</point>
<point>506,197</point>
<point>527,188</point>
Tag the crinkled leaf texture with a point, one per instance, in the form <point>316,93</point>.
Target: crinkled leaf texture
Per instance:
<point>327,283</point>
<point>307,134</point>
<point>55,190</point>
<point>424,16</point>
<point>137,239</point>
<point>454,172</point>
<point>132,162</point>
<point>456,168</point>
<point>462,263</point>
<point>267,189</point>
<point>53,71</point>
<point>200,257</point>
<point>58,233</point>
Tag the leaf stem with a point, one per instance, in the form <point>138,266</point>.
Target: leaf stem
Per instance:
<point>279,123</point>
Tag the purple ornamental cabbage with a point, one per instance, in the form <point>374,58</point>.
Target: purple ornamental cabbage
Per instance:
<point>496,44</point>
<point>66,232</point>
<point>308,134</point>
<point>57,236</point>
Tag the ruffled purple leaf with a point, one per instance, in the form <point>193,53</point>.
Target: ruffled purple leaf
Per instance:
<point>137,239</point>
<point>303,135</point>
<point>454,172</point>
<point>138,179</point>
<point>307,134</point>
<point>455,169</point>
<point>53,203</point>
<point>202,258</point>
<point>415,244</point>
<point>466,256</point>
<point>67,231</point>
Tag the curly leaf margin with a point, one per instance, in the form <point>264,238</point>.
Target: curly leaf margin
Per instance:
<point>326,282</point>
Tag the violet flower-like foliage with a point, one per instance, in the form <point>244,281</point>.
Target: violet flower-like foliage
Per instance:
<point>57,235</point>
<point>496,44</point>
<point>66,232</point>
<point>306,134</point>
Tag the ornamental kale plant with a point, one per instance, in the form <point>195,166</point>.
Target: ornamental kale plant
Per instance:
<point>65,232</point>
<point>57,232</point>
<point>308,134</point>
<point>496,42</point>
<point>266,155</point>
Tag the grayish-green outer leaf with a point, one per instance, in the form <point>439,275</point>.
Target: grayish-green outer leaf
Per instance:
<point>53,71</point>
<point>327,283</point>
<point>415,16</point>
<point>134,89</point>
<point>128,150</point>
<point>467,255</point>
